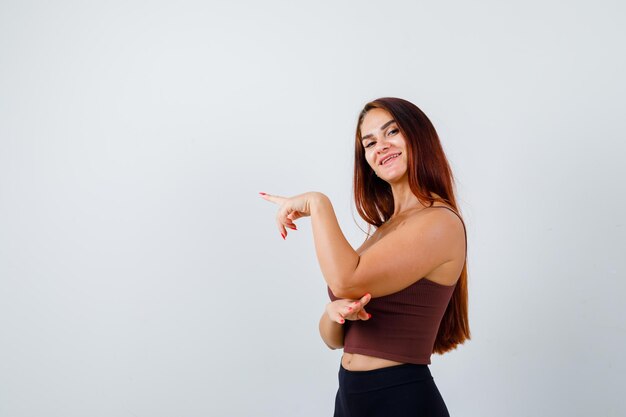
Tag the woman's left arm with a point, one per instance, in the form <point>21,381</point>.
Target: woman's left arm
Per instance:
<point>391,264</point>
<point>337,259</point>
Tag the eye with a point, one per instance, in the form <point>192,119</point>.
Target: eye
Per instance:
<point>369,144</point>
<point>394,131</point>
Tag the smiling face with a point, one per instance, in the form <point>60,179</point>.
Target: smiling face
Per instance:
<point>384,145</point>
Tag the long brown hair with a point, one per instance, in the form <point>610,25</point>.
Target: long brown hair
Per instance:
<point>428,171</point>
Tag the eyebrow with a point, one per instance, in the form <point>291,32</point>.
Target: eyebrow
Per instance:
<point>381,128</point>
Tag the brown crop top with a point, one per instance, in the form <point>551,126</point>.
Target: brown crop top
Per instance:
<point>404,324</point>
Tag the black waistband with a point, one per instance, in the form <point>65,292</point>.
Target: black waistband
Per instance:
<point>360,381</point>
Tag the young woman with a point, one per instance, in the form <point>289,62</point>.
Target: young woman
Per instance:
<point>402,295</point>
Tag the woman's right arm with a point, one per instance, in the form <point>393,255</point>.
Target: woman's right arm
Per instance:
<point>331,332</point>
<point>335,315</point>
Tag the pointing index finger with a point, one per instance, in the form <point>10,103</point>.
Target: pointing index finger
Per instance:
<point>273,198</point>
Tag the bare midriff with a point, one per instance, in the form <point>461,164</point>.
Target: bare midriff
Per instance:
<point>358,362</point>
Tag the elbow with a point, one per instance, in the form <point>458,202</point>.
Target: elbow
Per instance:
<point>347,291</point>
<point>345,285</point>
<point>334,347</point>
<point>341,293</point>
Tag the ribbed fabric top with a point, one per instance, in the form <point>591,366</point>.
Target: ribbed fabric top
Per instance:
<point>404,324</point>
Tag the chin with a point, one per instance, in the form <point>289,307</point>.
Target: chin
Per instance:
<point>397,178</point>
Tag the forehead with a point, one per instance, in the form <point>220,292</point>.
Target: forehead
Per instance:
<point>373,120</point>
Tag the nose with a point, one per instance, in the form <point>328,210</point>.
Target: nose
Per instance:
<point>382,145</point>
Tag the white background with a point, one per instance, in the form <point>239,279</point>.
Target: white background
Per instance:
<point>141,274</point>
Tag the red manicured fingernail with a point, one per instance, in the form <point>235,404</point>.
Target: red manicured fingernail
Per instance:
<point>369,316</point>
<point>342,321</point>
<point>283,235</point>
<point>263,193</point>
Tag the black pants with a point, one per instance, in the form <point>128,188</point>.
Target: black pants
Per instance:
<point>395,391</point>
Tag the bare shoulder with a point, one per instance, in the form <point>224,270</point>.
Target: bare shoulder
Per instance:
<point>442,222</point>
<point>443,216</point>
<point>432,223</point>
<point>439,222</point>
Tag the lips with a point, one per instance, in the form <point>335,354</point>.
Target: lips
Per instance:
<point>389,157</point>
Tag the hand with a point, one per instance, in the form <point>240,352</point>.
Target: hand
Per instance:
<point>291,209</point>
<point>346,309</point>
